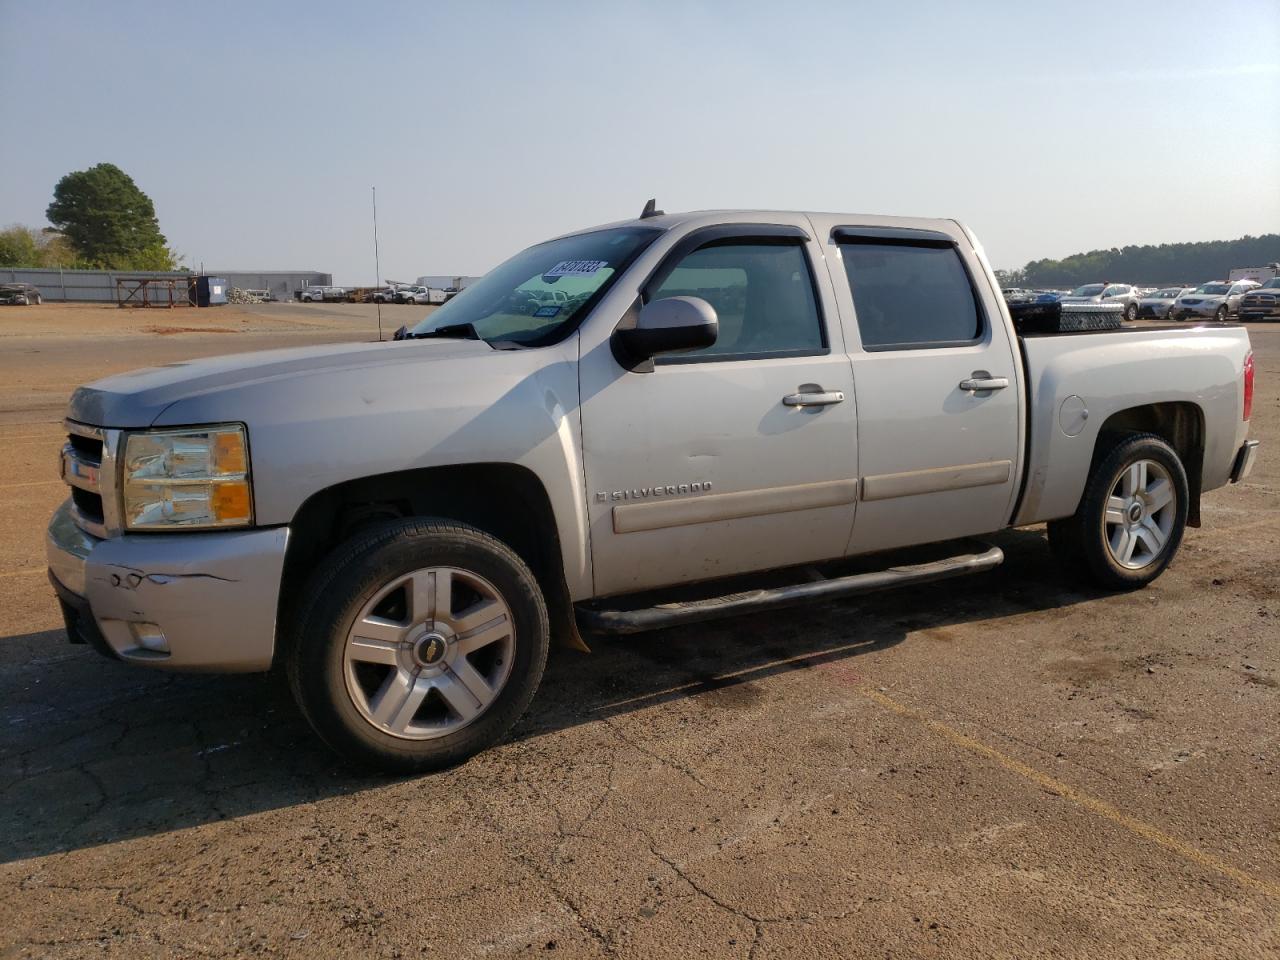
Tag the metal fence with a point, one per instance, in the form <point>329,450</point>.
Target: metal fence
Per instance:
<point>87,286</point>
<point>99,286</point>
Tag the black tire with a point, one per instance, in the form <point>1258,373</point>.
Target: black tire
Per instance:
<point>1083,544</point>
<point>1221,315</point>
<point>348,579</point>
<point>38,300</point>
<point>1131,312</point>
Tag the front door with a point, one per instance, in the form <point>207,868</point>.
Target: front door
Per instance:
<point>733,458</point>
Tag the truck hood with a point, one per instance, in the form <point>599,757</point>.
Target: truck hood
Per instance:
<point>137,399</point>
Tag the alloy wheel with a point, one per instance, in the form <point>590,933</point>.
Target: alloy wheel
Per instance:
<point>1140,514</point>
<point>429,653</point>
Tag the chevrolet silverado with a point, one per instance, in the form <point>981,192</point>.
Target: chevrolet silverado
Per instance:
<point>607,434</point>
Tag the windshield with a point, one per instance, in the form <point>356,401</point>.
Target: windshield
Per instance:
<point>1212,288</point>
<point>543,292</point>
<point>1168,293</point>
<point>1088,290</point>
<point>1271,284</point>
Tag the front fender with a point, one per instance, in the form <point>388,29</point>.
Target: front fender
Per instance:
<point>317,430</point>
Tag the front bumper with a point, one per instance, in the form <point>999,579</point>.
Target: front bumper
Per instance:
<point>1250,314</point>
<point>182,601</point>
<point>1182,311</point>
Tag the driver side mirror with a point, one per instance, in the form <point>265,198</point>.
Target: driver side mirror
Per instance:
<point>670,325</point>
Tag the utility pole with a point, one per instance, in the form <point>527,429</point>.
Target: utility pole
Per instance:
<point>377,266</point>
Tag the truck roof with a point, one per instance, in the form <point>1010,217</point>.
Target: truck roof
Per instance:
<point>667,221</point>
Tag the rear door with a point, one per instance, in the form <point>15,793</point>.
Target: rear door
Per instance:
<point>936,379</point>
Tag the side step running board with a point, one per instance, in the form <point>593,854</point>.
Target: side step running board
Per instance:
<point>672,614</point>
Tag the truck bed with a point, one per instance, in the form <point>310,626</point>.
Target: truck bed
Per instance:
<point>1167,326</point>
<point>1106,372</point>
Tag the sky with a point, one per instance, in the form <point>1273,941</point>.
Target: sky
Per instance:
<point>258,129</point>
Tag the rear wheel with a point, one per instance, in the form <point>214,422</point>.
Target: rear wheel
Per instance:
<point>1221,315</point>
<point>1131,519</point>
<point>421,642</point>
<point>1131,312</point>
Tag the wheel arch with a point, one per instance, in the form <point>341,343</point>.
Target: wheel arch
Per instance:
<point>503,499</point>
<point>1179,423</point>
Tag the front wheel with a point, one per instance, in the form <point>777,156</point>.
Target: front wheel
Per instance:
<point>419,644</point>
<point>1131,518</point>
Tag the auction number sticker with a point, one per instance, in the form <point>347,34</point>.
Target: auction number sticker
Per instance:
<point>576,268</point>
<point>546,311</point>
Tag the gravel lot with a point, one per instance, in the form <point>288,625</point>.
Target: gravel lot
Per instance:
<point>1003,765</point>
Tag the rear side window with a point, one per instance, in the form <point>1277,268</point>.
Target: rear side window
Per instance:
<point>911,295</point>
<point>763,296</point>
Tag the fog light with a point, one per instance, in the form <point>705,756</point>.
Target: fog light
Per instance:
<point>149,636</point>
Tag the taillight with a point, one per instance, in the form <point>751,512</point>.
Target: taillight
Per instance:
<point>1248,386</point>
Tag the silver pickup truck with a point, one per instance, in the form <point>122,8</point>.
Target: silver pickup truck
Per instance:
<point>607,433</point>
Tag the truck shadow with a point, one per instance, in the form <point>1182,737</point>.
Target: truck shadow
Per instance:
<point>97,752</point>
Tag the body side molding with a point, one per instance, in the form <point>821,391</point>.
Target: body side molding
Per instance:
<point>635,517</point>
<point>886,486</point>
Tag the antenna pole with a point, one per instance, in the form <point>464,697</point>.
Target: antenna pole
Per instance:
<point>377,266</point>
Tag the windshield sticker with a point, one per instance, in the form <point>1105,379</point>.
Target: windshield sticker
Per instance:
<point>575,268</point>
<point>546,311</point>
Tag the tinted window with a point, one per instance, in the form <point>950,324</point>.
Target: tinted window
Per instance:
<point>763,296</point>
<point>910,294</point>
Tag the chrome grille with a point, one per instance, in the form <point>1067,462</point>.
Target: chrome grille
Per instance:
<point>88,467</point>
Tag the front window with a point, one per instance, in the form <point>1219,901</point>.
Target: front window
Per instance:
<point>1272,284</point>
<point>542,293</point>
<point>1213,289</point>
<point>1168,293</point>
<point>763,297</point>
<point>1088,290</point>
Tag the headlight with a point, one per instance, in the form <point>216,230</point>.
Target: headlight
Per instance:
<point>193,478</point>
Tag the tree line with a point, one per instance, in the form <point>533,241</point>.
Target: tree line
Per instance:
<point>1166,264</point>
<point>101,220</point>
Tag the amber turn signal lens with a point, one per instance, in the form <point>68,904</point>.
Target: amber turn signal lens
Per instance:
<point>228,453</point>
<point>231,501</point>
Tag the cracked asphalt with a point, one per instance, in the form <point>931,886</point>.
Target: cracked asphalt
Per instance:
<point>1000,766</point>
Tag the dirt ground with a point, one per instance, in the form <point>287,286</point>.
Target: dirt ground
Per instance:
<point>998,766</point>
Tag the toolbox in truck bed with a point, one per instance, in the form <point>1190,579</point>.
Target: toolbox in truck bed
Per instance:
<point>1065,317</point>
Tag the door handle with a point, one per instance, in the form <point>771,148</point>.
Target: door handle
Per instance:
<point>813,399</point>
<point>981,380</point>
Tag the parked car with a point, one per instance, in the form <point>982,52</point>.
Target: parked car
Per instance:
<point>404,526</point>
<point>20,294</point>
<point>1017,295</point>
<point>383,295</point>
<point>412,294</point>
<point>1216,300</point>
<point>1261,303</point>
<point>1121,293</point>
<point>317,294</point>
<point>1158,303</point>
